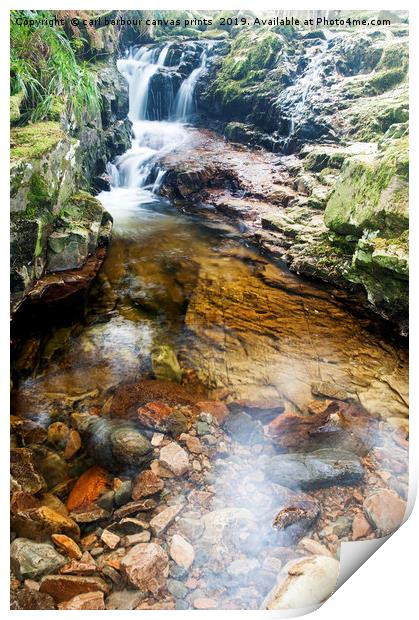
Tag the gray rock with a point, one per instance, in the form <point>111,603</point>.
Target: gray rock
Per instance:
<point>123,493</point>
<point>177,588</point>
<point>322,468</point>
<point>30,560</point>
<point>124,599</point>
<point>191,528</point>
<point>242,428</point>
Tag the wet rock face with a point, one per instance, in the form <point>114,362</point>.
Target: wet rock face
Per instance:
<point>321,468</point>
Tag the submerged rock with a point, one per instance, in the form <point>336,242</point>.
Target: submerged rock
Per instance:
<point>30,560</point>
<point>146,567</point>
<point>322,468</point>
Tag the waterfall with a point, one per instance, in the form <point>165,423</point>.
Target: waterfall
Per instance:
<point>185,102</point>
<point>136,177</point>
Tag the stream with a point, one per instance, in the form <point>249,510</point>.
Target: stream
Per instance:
<point>180,298</point>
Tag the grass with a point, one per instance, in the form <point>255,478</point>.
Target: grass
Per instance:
<point>32,141</point>
<point>45,69</point>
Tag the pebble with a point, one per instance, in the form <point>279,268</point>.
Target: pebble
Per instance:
<point>181,551</point>
<point>161,522</point>
<point>110,539</point>
<point>174,458</point>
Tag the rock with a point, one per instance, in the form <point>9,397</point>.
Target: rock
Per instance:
<point>222,526</point>
<point>123,493</point>
<point>161,522</point>
<point>177,588</point>
<point>124,599</point>
<point>90,514</point>
<point>88,600</point>
<point>242,568</point>
<point>361,528</point>
<point>138,506</point>
<point>25,476</point>
<point>88,488</point>
<point>243,429</point>
<point>330,390</point>
<point>165,364</point>
<point>202,428</point>
<point>303,583</point>
<point>292,430</point>
<point>191,528</point>
<point>154,415</point>
<point>21,500</point>
<point>134,539</point>
<point>65,587</point>
<point>30,560</point>
<point>160,471</point>
<point>216,408</point>
<point>85,566</point>
<point>146,484</point>
<point>314,547</point>
<point>111,540</point>
<point>385,511</point>
<point>174,458</point>
<point>66,544</point>
<point>194,445</point>
<point>321,468</point>
<point>52,501</point>
<point>146,567</point>
<point>157,439</point>
<point>29,599</point>
<point>340,528</point>
<point>263,410</point>
<point>73,444</point>
<point>128,398</point>
<point>40,523</point>
<point>295,519</point>
<point>130,448</point>
<point>58,433</point>
<point>181,551</point>
<point>202,602</point>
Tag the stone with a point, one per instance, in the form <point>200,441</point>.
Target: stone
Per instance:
<point>161,522</point>
<point>241,568</point>
<point>124,599</point>
<point>30,560</point>
<point>216,408</point>
<point>194,445</point>
<point>90,514</point>
<point>181,551</point>
<point>138,506</point>
<point>263,410</point>
<point>146,567</point>
<point>191,528</point>
<point>321,468</point>
<point>385,511</point>
<point>29,599</point>
<point>330,390</point>
<point>85,566</point>
<point>88,600</point>
<point>177,588</point>
<point>154,415</point>
<point>220,527</point>
<point>303,583</point>
<point>165,364</point>
<point>40,523</point>
<point>294,519</point>
<point>157,439</point>
<point>123,493</point>
<point>339,527</point>
<point>361,528</point>
<point>21,500</point>
<point>292,430</point>
<point>130,448</point>
<point>58,433</point>
<point>25,476</point>
<point>88,488</point>
<point>314,547</point>
<point>52,501</point>
<point>73,444</point>
<point>64,587</point>
<point>146,484</point>
<point>134,539</point>
<point>67,545</point>
<point>111,540</point>
<point>160,471</point>
<point>202,602</point>
<point>106,500</point>
<point>174,458</point>
<point>242,428</point>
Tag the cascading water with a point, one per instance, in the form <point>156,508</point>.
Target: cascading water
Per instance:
<point>185,102</point>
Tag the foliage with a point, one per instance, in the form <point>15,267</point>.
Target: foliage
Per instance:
<point>44,67</point>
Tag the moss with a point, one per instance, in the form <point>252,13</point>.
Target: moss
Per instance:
<point>82,206</point>
<point>215,34</point>
<point>15,103</point>
<point>385,80</point>
<point>372,194</point>
<point>38,197</point>
<point>395,56</point>
<point>33,141</point>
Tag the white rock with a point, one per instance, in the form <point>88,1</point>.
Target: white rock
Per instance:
<point>304,583</point>
<point>181,551</point>
<point>174,458</point>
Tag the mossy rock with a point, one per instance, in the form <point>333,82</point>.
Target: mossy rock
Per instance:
<point>15,103</point>
<point>372,194</point>
<point>165,364</point>
<point>33,141</point>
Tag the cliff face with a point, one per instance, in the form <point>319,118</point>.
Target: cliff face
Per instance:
<point>55,223</point>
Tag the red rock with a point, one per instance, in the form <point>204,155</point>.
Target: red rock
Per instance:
<point>153,415</point>
<point>181,551</point>
<point>64,587</point>
<point>138,506</point>
<point>146,484</point>
<point>385,510</point>
<point>88,600</point>
<point>204,603</point>
<point>128,398</point>
<point>360,527</point>
<point>21,500</point>
<point>290,430</point>
<point>85,566</point>
<point>216,408</point>
<point>174,458</point>
<point>146,567</point>
<point>88,488</point>
<point>66,544</point>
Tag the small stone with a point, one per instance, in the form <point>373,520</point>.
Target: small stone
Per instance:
<point>25,599</point>
<point>157,439</point>
<point>146,484</point>
<point>113,575</point>
<point>33,560</point>
<point>314,547</point>
<point>85,566</point>
<point>196,465</point>
<point>385,510</point>
<point>124,599</point>
<point>194,445</point>
<point>135,539</point>
<point>58,433</point>
<point>174,458</point>
<point>90,514</point>
<point>146,567</point>
<point>202,428</point>
<point>160,471</point>
<point>106,500</point>
<point>181,551</point>
<point>66,544</point>
<point>73,444</point>
<point>177,588</point>
<point>161,522</point>
<point>88,488</point>
<point>123,493</point>
<point>25,476</point>
<point>141,505</point>
<point>204,603</point>
<point>177,572</point>
<point>216,408</point>
<point>88,600</point>
<point>111,540</point>
<point>361,528</point>
<point>64,587</point>
<point>191,528</point>
<point>340,528</point>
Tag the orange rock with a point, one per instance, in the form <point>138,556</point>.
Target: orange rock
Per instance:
<point>88,488</point>
<point>153,415</point>
<point>88,600</point>
<point>292,429</point>
<point>216,408</point>
<point>40,523</point>
<point>66,544</point>
<point>146,484</point>
<point>64,587</point>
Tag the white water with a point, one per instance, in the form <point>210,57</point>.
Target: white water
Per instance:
<point>135,176</point>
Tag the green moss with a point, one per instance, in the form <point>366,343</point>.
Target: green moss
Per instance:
<point>15,103</point>
<point>38,198</point>
<point>215,34</point>
<point>82,206</point>
<point>385,80</point>
<point>33,141</point>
